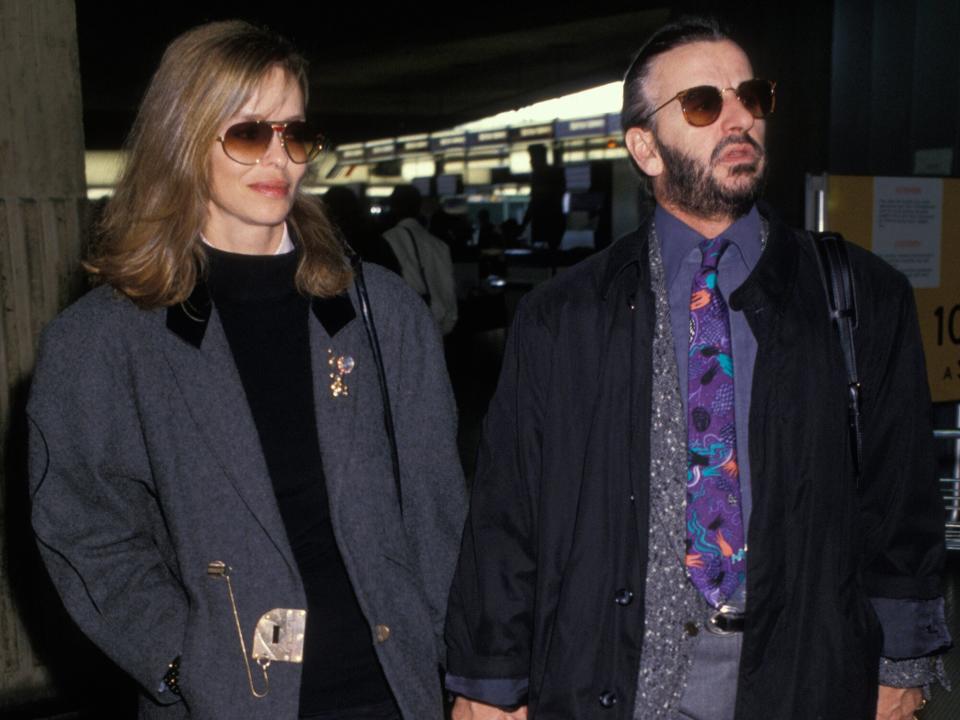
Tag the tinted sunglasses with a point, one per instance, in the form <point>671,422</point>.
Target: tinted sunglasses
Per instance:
<point>703,104</point>
<point>247,142</point>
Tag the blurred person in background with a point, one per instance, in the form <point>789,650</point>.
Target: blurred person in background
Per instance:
<point>488,235</point>
<point>355,224</point>
<point>545,214</point>
<point>424,259</point>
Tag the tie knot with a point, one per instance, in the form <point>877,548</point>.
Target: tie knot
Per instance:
<point>711,251</point>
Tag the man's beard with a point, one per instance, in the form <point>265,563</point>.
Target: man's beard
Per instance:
<point>691,186</point>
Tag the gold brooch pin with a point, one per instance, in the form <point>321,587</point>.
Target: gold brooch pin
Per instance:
<point>340,367</point>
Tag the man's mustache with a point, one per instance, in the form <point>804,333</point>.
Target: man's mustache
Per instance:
<point>743,139</point>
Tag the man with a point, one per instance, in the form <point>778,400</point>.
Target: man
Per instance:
<point>545,211</point>
<point>670,397</point>
<point>425,261</point>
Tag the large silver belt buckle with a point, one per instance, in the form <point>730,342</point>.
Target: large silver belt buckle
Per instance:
<point>714,622</point>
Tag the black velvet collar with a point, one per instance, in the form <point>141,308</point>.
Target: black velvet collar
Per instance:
<point>188,320</point>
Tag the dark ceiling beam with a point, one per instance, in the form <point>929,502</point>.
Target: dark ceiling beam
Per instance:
<point>423,89</point>
<point>597,35</point>
<point>383,72</point>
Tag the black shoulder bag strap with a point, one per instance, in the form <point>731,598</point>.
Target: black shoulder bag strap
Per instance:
<point>837,277</point>
<point>423,275</point>
<point>367,314</point>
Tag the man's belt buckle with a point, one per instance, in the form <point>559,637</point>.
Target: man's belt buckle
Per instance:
<point>726,621</point>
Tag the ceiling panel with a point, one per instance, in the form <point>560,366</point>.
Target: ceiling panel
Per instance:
<point>377,72</point>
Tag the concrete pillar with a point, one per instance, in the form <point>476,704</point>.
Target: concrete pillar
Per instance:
<point>42,202</point>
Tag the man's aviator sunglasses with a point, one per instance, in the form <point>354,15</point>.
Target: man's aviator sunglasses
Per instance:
<point>703,104</point>
<point>247,142</point>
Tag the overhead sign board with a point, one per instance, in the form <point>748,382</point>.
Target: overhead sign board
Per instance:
<point>488,137</point>
<point>350,153</point>
<point>613,123</point>
<point>413,146</point>
<point>582,127</point>
<point>531,133</point>
<point>446,143</point>
<point>381,151</point>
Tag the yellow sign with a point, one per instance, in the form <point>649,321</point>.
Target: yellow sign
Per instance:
<point>914,223</point>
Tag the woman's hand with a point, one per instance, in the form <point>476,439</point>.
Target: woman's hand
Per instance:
<point>898,703</point>
<point>464,709</point>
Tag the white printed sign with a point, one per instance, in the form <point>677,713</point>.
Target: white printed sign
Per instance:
<point>907,220</point>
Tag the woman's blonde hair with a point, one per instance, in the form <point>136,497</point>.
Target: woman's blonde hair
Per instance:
<point>148,246</point>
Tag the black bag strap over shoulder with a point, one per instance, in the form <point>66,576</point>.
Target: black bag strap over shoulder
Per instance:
<point>837,277</point>
<point>366,312</point>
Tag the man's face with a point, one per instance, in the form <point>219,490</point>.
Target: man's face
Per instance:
<point>697,188</point>
<point>711,172</point>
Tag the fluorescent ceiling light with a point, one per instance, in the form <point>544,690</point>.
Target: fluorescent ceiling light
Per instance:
<point>586,103</point>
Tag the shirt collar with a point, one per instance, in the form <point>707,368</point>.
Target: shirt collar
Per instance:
<point>286,242</point>
<point>772,280</point>
<point>678,240</point>
<point>285,246</point>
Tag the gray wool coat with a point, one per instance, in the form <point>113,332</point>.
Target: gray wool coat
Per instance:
<point>145,466</point>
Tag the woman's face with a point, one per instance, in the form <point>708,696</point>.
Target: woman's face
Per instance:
<point>249,203</point>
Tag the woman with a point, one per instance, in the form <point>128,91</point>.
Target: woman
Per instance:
<point>214,490</point>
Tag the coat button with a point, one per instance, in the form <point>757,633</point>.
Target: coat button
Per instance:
<point>623,597</point>
<point>608,699</point>
<point>691,628</point>
<point>381,633</point>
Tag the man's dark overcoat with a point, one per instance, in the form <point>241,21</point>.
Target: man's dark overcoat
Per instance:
<point>559,517</point>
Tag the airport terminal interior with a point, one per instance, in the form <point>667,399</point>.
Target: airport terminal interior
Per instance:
<point>481,108</point>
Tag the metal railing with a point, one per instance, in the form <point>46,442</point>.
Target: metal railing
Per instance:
<point>950,489</point>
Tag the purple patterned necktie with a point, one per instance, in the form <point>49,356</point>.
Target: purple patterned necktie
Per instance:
<point>716,554</point>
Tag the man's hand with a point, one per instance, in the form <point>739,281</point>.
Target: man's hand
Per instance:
<point>898,703</point>
<point>464,709</point>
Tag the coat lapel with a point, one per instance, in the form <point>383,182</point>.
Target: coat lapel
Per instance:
<point>352,441</point>
<point>338,375</point>
<point>342,377</point>
<point>208,378</point>
<point>346,401</point>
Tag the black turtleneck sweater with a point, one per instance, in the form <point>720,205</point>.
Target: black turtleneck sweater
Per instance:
<point>265,321</point>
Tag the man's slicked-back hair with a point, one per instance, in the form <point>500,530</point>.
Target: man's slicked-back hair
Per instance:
<point>682,31</point>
